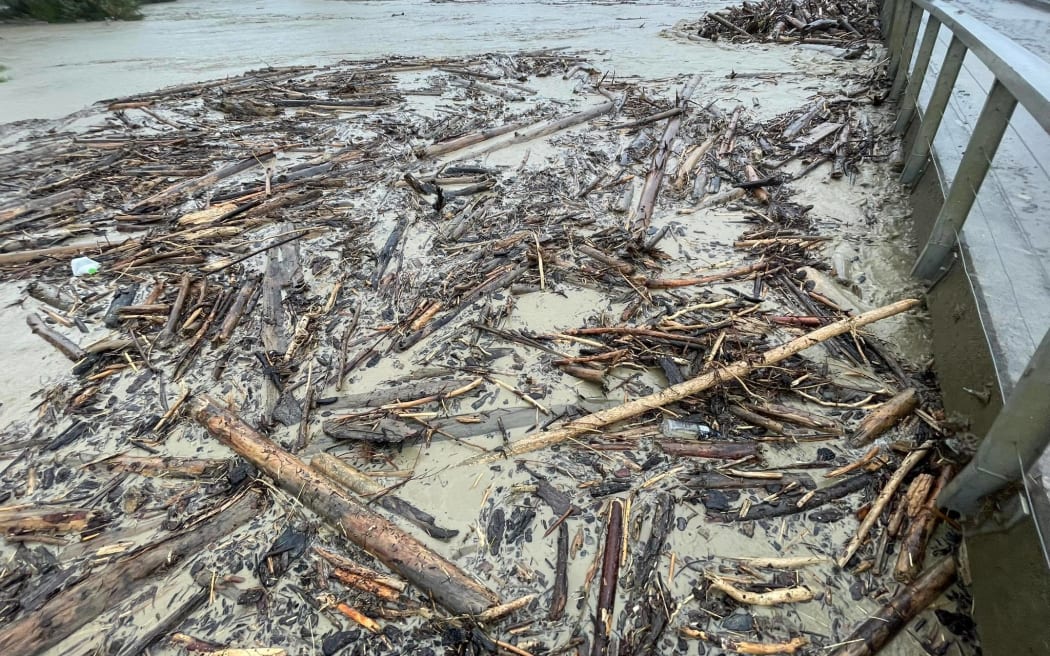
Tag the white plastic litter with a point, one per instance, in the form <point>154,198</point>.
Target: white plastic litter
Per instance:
<point>84,266</point>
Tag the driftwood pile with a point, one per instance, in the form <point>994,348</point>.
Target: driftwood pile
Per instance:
<point>817,22</point>
<point>328,272</point>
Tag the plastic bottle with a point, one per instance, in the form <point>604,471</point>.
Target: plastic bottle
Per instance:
<point>84,266</point>
<point>680,428</point>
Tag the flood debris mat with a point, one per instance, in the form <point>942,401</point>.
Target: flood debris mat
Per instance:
<point>502,354</point>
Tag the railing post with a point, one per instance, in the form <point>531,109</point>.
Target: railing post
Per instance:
<point>886,16</point>
<point>987,133</point>
<point>1013,443</point>
<point>931,119</point>
<point>907,49</point>
<point>896,37</point>
<point>918,74</point>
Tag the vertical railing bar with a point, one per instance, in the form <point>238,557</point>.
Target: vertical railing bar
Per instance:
<point>931,119</point>
<point>907,50</point>
<point>900,22</point>
<point>918,74</point>
<point>886,16</point>
<point>987,134</point>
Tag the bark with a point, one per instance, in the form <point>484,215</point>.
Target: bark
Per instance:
<point>719,450</point>
<point>445,582</point>
<point>359,482</point>
<point>74,607</point>
<point>884,417</point>
<point>872,635</point>
<point>52,337</point>
<point>631,409</point>
<point>610,573</point>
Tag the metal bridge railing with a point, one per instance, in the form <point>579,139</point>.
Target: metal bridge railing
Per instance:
<point>1021,432</point>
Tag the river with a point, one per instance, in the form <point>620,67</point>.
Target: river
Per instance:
<point>57,69</point>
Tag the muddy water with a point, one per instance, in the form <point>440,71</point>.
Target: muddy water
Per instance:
<point>57,69</point>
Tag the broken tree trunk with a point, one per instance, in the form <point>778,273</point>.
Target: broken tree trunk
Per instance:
<point>610,574</point>
<point>598,420</point>
<point>445,582</point>
<point>74,607</point>
<point>882,501</point>
<point>655,176</point>
<point>357,481</point>
<point>52,337</point>
<point>884,417</point>
<point>549,127</point>
<point>868,638</point>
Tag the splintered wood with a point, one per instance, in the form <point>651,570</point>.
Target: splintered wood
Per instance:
<point>493,354</point>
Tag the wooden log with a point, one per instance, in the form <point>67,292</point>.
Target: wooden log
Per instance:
<point>546,128</point>
<point>469,139</point>
<point>813,499</point>
<point>236,311</point>
<point>560,593</point>
<point>881,502</point>
<point>715,450</point>
<point>402,553</point>
<point>168,195</point>
<point>603,616</point>
<point>690,163</point>
<point>750,417</point>
<point>746,646</point>
<point>817,135</point>
<point>168,332</point>
<point>885,417</point>
<point>912,551</point>
<point>705,480</point>
<point>724,22</point>
<point>25,520</point>
<point>800,123</point>
<point>359,482</point>
<point>52,337</point>
<point>871,635</point>
<point>652,118</point>
<point>365,584</point>
<point>672,283</point>
<point>732,372</point>
<point>348,565</point>
<point>654,178</point>
<point>793,595</point>
<point>589,374</point>
<point>605,258</point>
<point>75,606</point>
<point>162,466</point>
<point>797,416</point>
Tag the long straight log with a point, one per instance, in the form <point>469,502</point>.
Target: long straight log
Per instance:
<point>545,128</point>
<point>814,499</point>
<point>445,582</point>
<point>868,638</point>
<point>610,575</point>
<point>469,139</point>
<point>74,607</point>
<point>598,420</point>
<point>717,450</point>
